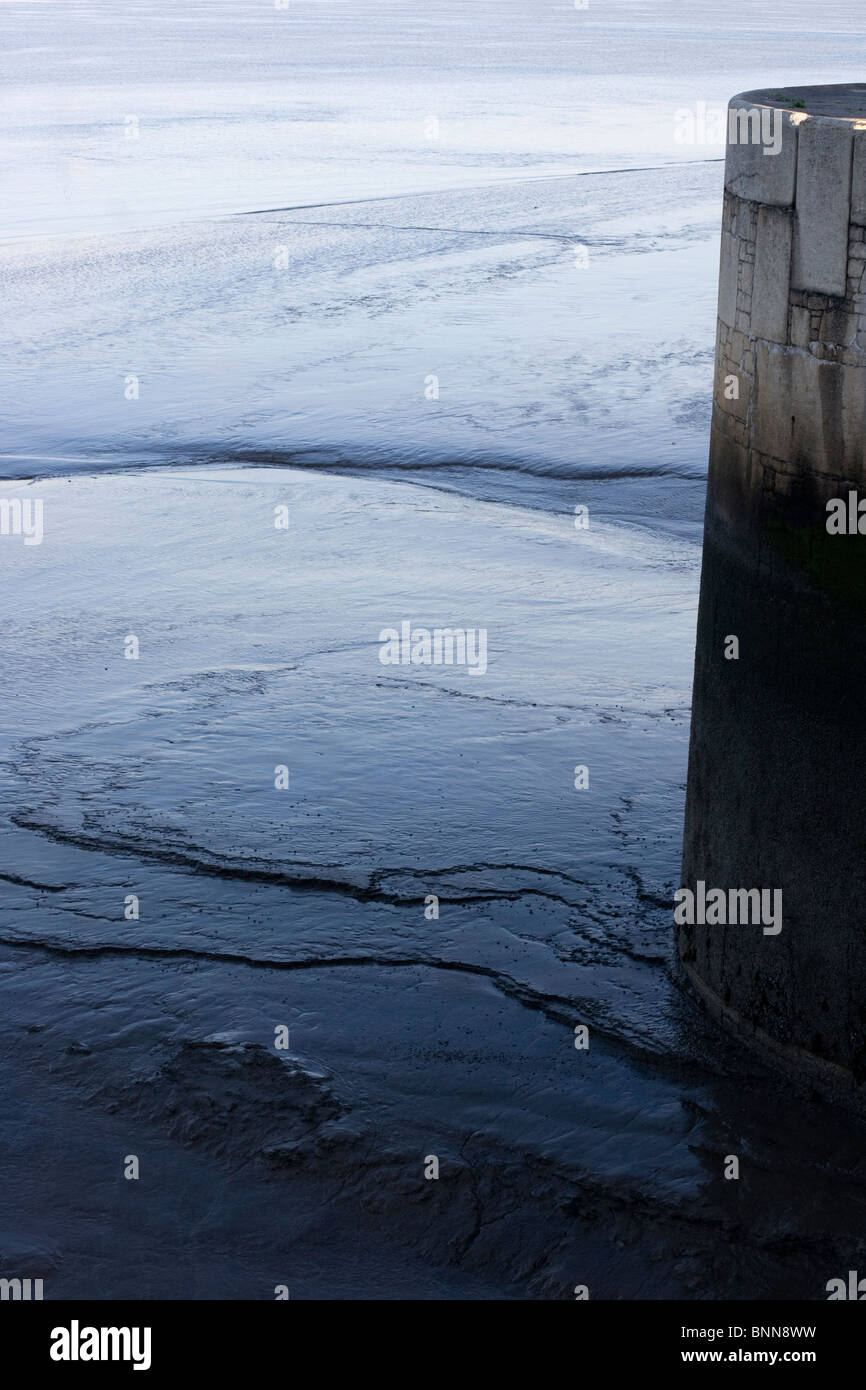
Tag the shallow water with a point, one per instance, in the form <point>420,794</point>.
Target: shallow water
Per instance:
<point>302,384</point>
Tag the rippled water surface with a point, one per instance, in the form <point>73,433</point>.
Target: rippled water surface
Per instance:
<point>429,279</point>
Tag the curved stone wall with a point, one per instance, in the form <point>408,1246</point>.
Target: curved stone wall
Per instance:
<point>777,766</point>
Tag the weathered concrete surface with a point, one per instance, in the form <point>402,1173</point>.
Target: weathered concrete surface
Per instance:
<point>823,202</point>
<point>749,172</point>
<point>777,769</point>
<point>858,179</point>
<point>772,281</point>
<point>728,267</point>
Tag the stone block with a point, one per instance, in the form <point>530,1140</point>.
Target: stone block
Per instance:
<point>858,180</point>
<point>752,169</point>
<point>772,274</point>
<point>837,326</point>
<point>808,412</point>
<point>732,390</point>
<point>744,221</point>
<point>822,209</point>
<point>801,320</point>
<point>728,270</point>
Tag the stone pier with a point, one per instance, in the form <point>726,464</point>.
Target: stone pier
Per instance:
<point>777,763</point>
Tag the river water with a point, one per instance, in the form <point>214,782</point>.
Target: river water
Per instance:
<point>319,320</point>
